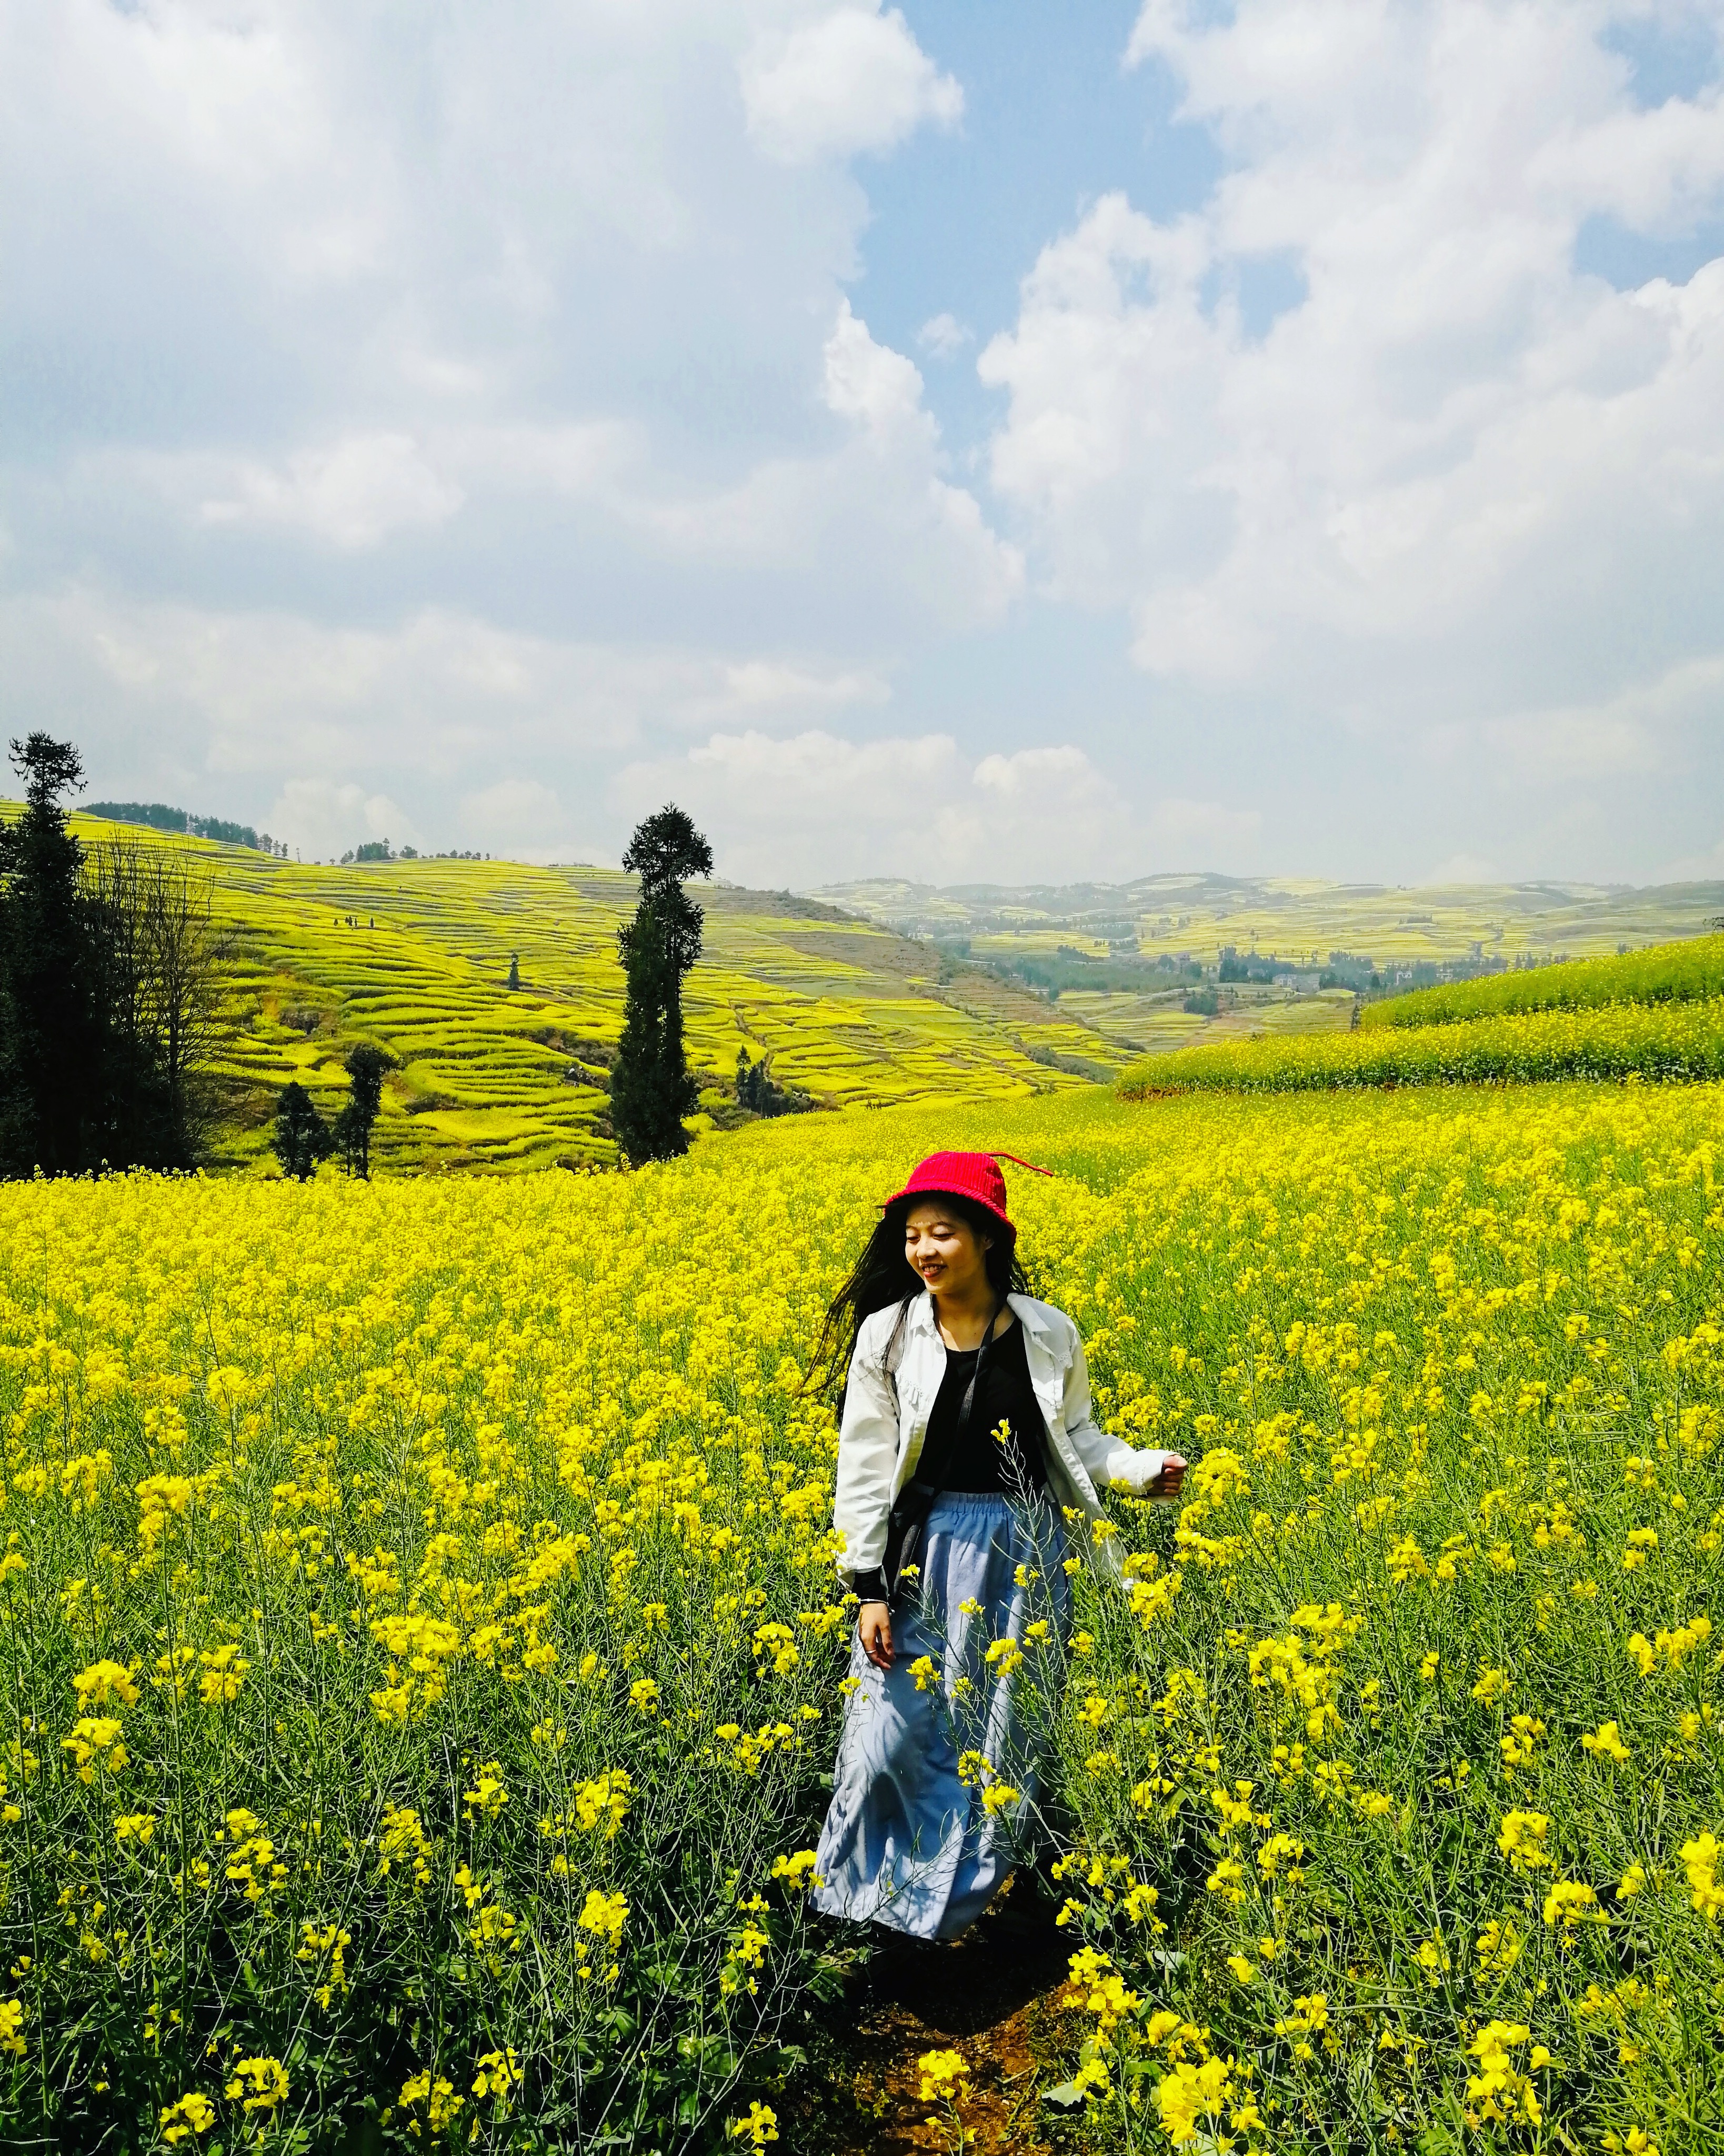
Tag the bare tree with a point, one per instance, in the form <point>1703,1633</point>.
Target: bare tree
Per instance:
<point>184,951</point>
<point>154,956</point>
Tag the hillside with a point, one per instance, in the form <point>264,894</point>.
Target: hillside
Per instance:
<point>1145,941</point>
<point>1689,972</point>
<point>415,955</point>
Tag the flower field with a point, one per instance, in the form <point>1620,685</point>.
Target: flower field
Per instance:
<point>420,1648</point>
<point>1689,972</point>
<point>1679,1040</point>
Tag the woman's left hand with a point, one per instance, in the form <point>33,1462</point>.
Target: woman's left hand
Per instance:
<point>1170,1479</point>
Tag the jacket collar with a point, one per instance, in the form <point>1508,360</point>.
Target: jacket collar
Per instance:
<point>1027,1310</point>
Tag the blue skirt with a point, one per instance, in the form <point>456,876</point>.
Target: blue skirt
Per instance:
<point>911,1841</point>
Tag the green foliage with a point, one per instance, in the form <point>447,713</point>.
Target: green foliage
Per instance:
<point>1618,1040</point>
<point>108,1012</point>
<point>158,816</point>
<point>651,1088</point>
<point>49,1026</point>
<point>1233,967</point>
<point>1688,972</point>
<point>757,1091</point>
<point>301,1138</point>
<point>664,851</point>
<point>358,1119</point>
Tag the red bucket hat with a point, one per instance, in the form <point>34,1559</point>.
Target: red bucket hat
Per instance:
<point>973,1175</point>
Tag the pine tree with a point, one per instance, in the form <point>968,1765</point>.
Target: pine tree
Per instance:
<point>514,969</point>
<point>50,1051</point>
<point>301,1136</point>
<point>651,1089</point>
<point>354,1124</point>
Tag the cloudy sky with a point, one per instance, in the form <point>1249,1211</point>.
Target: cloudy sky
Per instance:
<point>970,439</point>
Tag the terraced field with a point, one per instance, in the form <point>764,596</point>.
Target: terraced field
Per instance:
<point>415,956</point>
<point>1195,919</point>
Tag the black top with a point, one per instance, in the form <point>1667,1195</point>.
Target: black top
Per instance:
<point>1005,1395</point>
<point>982,1463</point>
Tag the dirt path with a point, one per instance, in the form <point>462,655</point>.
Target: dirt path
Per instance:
<point>991,1995</point>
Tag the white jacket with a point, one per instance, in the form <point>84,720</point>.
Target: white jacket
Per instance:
<point>880,1439</point>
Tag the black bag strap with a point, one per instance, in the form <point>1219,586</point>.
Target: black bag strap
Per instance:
<point>916,1500</point>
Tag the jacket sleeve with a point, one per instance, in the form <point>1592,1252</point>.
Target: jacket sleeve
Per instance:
<point>1105,1458</point>
<point>867,1459</point>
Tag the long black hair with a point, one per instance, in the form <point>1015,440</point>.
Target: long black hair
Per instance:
<point>883,1275</point>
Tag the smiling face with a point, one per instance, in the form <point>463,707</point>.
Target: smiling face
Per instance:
<point>942,1246</point>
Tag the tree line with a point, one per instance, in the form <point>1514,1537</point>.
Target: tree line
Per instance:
<point>109,1000</point>
<point>181,821</point>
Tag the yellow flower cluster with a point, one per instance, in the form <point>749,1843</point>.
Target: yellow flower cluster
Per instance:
<point>1680,1040</point>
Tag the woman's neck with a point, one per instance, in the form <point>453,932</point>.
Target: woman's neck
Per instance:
<point>962,1318</point>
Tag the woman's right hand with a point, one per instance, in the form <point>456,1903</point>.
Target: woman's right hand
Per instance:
<point>873,1628</point>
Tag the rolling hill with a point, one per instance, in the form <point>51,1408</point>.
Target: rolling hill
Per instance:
<point>414,955</point>
<point>1196,916</point>
<point>1151,933</point>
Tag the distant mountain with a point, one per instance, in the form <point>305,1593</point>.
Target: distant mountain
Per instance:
<point>1199,915</point>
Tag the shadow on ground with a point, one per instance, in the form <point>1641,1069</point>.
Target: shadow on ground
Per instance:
<point>994,1996</point>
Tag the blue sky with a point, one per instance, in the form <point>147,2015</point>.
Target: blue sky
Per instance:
<point>955,441</point>
<point>1052,120</point>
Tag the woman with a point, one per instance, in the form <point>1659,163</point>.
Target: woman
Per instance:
<point>966,1436</point>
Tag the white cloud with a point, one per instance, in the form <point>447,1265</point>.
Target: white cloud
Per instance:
<point>198,704</point>
<point>324,820</point>
<point>1640,731</point>
<point>377,281</point>
<point>870,525</point>
<point>855,80</point>
<point>429,405</point>
<point>1707,866</point>
<point>1575,744</point>
<point>1188,833</point>
<point>1453,471</point>
<point>523,819</point>
<point>816,807</point>
<point>945,336</point>
<point>353,494</point>
<point>762,682</point>
<point>1040,776</point>
<point>270,692</point>
<point>1462,868</point>
<point>870,383</point>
